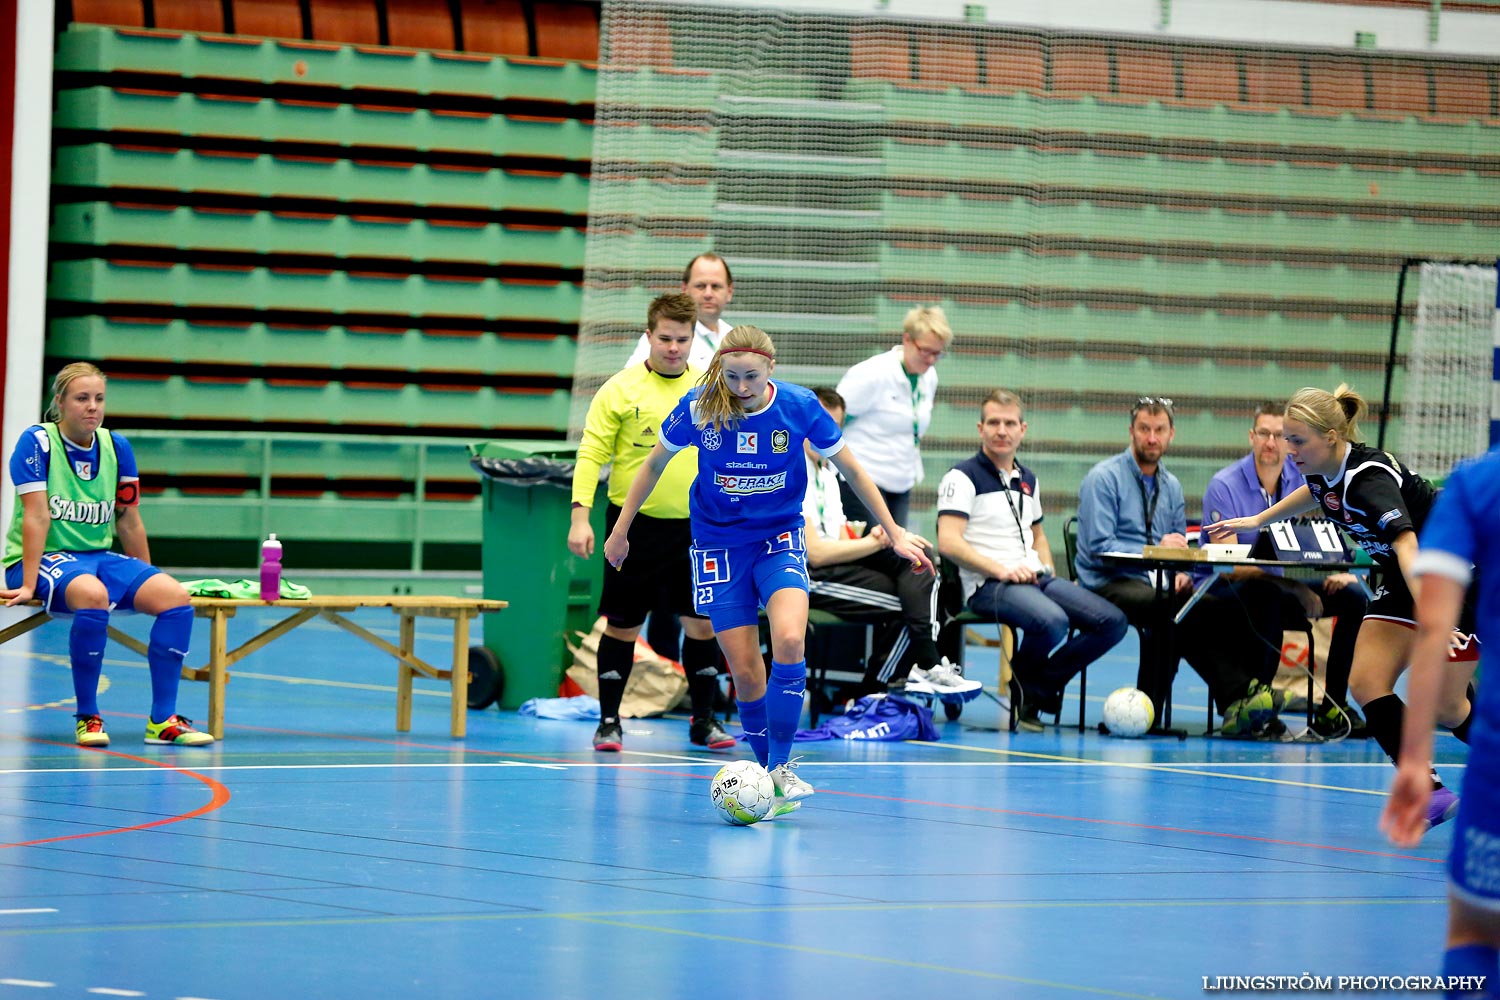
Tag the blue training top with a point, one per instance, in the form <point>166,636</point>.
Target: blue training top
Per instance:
<point>1460,531</point>
<point>752,475</point>
<point>31,458</point>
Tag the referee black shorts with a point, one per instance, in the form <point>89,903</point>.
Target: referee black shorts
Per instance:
<point>657,573</point>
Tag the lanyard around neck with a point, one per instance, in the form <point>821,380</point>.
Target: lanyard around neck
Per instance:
<point>1266,494</point>
<point>1150,508</point>
<point>1015,506</point>
<point>916,402</point>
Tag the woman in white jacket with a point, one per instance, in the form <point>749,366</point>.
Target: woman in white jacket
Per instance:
<point>889,401</point>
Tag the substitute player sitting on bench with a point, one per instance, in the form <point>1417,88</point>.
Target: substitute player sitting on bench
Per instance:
<point>77,487</point>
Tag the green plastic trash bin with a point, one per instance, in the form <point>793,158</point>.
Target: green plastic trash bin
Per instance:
<point>527,494</point>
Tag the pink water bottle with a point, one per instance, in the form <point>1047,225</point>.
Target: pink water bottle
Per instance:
<point>270,569</point>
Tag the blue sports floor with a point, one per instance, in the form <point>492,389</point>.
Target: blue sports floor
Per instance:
<point>317,854</point>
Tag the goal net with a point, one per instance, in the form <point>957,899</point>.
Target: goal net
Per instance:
<point>1091,217</point>
<point>1450,398</point>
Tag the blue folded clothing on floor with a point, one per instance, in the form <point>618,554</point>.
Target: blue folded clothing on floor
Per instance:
<point>876,717</point>
<point>579,706</point>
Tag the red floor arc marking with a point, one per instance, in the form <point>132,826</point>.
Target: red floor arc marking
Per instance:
<point>220,797</point>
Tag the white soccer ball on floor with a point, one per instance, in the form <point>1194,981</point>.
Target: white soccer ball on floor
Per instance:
<point>1128,712</point>
<point>743,792</point>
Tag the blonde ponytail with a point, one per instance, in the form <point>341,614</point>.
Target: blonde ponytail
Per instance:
<point>1338,411</point>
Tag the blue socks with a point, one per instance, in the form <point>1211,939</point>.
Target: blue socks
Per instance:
<point>1475,962</point>
<point>86,650</point>
<point>166,653</point>
<point>753,721</point>
<point>784,693</point>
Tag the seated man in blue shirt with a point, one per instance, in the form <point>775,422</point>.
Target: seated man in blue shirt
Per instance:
<point>1248,487</point>
<point>1128,502</point>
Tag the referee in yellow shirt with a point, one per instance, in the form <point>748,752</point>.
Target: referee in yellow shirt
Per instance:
<point>622,424</point>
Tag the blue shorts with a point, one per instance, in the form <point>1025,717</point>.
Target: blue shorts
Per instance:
<point>121,575</point>
<point>731,585</point>
<point>1474,862</point>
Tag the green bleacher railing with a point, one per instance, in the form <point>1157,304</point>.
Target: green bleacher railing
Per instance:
<point>265,458</point>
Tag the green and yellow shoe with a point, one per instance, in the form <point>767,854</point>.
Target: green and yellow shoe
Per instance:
<point>90,732</point>
<point>1252,713</point>
<point>782,806</point>
<point>176,731</point>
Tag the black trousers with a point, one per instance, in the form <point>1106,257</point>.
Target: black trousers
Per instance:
<point>1274,607</point>
<point>883,589</point>
<point>1217,639</point>
<point>855,509</point>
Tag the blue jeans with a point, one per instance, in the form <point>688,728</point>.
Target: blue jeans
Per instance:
<point>1046,612</point>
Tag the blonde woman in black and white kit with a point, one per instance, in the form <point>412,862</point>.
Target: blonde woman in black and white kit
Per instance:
<point>889,399</point>
<point>1383,504</point>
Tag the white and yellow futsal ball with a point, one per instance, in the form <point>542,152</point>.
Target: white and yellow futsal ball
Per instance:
<point>743,792</point>
<point>1128,712</point>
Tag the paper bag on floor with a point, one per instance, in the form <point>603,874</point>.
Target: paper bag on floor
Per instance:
<point>656,684</point>
<point>1291,677</point>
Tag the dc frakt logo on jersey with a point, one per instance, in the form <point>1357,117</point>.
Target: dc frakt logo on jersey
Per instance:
<point>746,485</point>
<point>1331,501</point>
<point>747,442</point>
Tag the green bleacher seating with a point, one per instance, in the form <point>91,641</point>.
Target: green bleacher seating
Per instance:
<point>92,48</point>
<point>1213,177</point>
<point>271,176</point>
<point>102,223</point>
<point>1196,274</point>
<point>1263,125</point>
<point>333,347</point>
<point>1437,235</point>
<point>321,291</point>
<point>1066,320</point>
<point>647,86</point>
<point>254,457</point>
<point>124,111</point>
<point>329,516</point>
<point>672,199</point>
<point>334,404</point>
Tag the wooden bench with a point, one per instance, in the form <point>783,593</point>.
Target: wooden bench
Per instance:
<point>218,611</point>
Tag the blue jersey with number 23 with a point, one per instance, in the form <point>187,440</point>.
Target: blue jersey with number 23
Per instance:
<point>752,476</point>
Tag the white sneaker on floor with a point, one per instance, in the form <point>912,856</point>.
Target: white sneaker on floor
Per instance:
<point>947,681</point>
<point>917,683</point>
<point>788,785</point>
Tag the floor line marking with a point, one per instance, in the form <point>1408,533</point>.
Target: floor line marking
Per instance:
<point>219,799</point>
<point>717,763</point>
<point>1163,769</point>
<point>737,910</point>
<point>39,909</point>
<point>26,982</point>
<point>861,957</point>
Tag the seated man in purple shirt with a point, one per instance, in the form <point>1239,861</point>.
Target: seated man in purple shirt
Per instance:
<point>1248,487</point>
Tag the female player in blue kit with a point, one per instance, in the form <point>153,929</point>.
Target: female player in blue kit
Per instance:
<point>746,512</point>
<point>77,488</point>
<point>1458,539</point>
